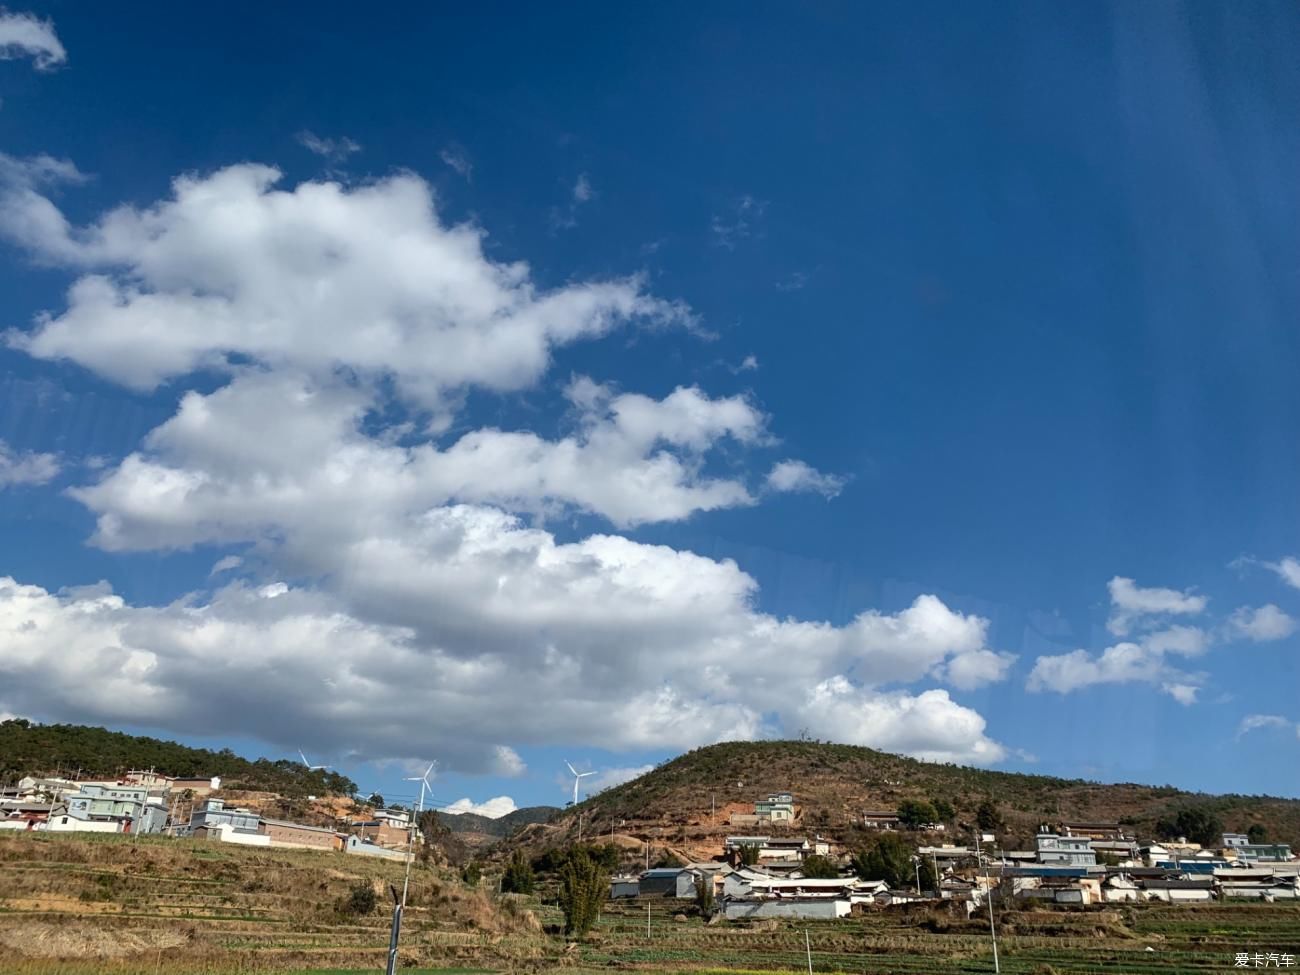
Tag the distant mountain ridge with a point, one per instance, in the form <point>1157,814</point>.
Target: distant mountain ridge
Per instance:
<point>502,826</point>
<point>27,748</point>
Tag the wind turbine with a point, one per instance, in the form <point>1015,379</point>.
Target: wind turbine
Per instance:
<point>419,808</point>
<point>577,777</point>
<point>310,766</point>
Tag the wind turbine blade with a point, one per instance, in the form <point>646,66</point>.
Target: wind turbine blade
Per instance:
<point>571,768</point>
<point>304,758</point>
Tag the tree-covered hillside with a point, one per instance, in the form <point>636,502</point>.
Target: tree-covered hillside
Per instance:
<point>27,748</point>
<point>833,784</point>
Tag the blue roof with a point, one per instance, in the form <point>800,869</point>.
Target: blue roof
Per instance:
<point>662,872</point>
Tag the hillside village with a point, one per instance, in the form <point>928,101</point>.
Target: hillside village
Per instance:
<point>767,862</point>
<point>145,801</point>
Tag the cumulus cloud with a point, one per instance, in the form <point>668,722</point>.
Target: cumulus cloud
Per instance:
<point>1132,604</point>
<point>1261,624</point>
<point>1288,570</point>
<point>339,317</point>
<point>25,467</point>
<point>493,808</point>
<point>231,270</point>
<point>477,608</point>
<point>25,35</point>
<point>1144,661</point>
<point>200,478</point>
<point>795,475</point>
<point>335,150</point>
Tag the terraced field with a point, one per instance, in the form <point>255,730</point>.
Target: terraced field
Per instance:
<point>109,905</point>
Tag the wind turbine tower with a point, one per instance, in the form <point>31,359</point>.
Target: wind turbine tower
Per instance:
<point>577,778</point>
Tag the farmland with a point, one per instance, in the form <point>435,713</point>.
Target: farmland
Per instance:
<point>110,905</point>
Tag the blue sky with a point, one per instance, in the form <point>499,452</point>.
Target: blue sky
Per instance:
<point>837,365</point>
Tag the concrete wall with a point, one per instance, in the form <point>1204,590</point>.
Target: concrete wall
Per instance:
<point>70,824</point>
<point>737,910</point>
<point>355,845</point>
<point>225,833</point>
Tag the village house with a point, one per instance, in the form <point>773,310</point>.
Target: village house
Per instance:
<point>394,818</point>
<point>881,819</point>
<point>667,882</point>
<point>212,813</point>
<point>1238,846</point>
<point>776,808</point>
<point>621,886</point>
<point>24,815</point>
<point>1095,831</point>
<point>1072,851</point>
<point>382,832</point>
<point>284,833</point>
<point>128,807</point>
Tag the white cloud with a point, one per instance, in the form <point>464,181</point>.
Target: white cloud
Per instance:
<point>225,564</point>
<point>795,475</point>
<point>506,762</point>
<point>477,608</point>
<point>1264,623</point>
<point>930,726</point>
<point>1143,661</point>
<point>311,279</point>
<point>1288,570</point>
<point>458,159</point>
<point>25,35</point>
<point>493,808</point>
<point>795,281</point>
<point>25,467</point>
<point>1132,604</point>
<point>975,668</point>
<point>738,223</point>
<point>334,310</point>
<point>566,218</point>
<point>1254,722</point>
<point>610,777</point>
<point>631,459</point>
<point>335,150</point>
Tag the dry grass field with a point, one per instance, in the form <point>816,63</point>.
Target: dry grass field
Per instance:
<point>111,905</point>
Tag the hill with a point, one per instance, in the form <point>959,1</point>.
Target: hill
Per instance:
<point>27,748</point>
<point>683,804</point>
<point>499,827</point>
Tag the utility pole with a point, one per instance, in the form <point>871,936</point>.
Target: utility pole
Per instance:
<point>807,947</point>
<point>993,931</point>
